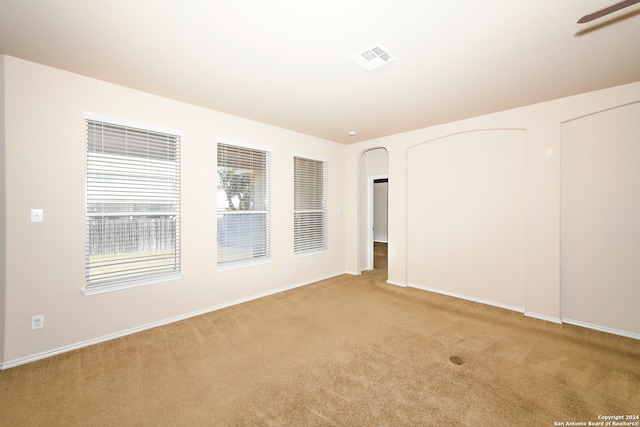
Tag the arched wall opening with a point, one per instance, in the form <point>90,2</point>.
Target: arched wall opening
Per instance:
<point>373,166</point>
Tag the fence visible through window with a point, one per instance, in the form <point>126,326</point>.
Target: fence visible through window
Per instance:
<point>133,205</point>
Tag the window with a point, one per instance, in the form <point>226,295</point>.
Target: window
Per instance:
<point>132,206</point>
<point>243,205</point>
<point>310,205</point>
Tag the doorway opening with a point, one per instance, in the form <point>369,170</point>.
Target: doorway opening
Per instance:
<point>373,209</point>
<point>379,208</point>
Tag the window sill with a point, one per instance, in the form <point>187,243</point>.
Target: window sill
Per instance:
<point>129,285</point>
<point>234,266</point>
<point>310,253</point>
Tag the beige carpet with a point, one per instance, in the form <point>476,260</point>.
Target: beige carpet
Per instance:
<point>349,351</point>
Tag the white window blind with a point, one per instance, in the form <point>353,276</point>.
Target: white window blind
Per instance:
<point>310,205</point>
<point>243,204</point>
<point>133,205</point>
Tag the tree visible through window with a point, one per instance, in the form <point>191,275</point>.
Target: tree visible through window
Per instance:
<point>132,205</point>
<point>243,204</point>
<point>310,206</point>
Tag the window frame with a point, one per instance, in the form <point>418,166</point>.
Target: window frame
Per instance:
<point>266,201</point>
<point>324,247</point>
<point>143,279</point>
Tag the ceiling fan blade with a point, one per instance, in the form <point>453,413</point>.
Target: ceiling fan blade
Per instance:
<point>607,10</point>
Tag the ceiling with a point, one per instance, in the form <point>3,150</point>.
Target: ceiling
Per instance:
<point>287,62</point>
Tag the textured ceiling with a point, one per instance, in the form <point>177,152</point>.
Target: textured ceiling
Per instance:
<point>287,62</point>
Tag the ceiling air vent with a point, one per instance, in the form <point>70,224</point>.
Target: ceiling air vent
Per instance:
<point>374,57</point>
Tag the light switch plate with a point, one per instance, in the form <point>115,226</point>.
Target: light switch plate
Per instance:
<point>37,215</point>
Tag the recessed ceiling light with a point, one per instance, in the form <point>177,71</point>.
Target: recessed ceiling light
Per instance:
<point>374,57</point>
<point>352,133</point>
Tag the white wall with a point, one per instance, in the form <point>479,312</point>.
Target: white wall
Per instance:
<point>600,218</point>
<point>541,275</point>
<point>45,168</point>
<point>3,207</point>
<point>380,209</point>
<point>466,207</point>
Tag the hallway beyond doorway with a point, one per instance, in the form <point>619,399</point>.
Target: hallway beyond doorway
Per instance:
<point>379,255</point>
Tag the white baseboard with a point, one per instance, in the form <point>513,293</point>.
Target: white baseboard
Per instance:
<point>468,298</point>
<point>396,283</point>
<point>60,350</point>
<point>602,328</point>
<point>533,315</point>
<point>543,317</point>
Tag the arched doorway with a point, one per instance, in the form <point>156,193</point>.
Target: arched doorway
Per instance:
<point>373,187</point>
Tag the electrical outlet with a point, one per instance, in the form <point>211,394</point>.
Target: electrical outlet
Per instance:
<point>37,322</point>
